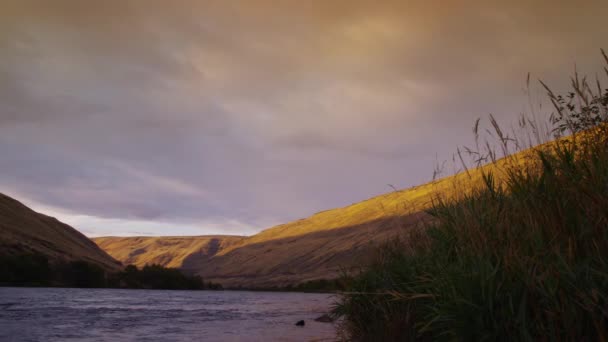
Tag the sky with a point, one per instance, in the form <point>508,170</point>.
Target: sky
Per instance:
<point>227,117</point>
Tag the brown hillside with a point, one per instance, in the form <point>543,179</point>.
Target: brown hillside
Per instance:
<point>313,248</point>
<point>166,251</point>
<point>326,243</point>
<point>320,246</point>
<point>23,230</point>
<point>307,249</point>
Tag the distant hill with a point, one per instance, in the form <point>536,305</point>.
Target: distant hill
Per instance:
<point>166,251</point>
<point>24,231</point>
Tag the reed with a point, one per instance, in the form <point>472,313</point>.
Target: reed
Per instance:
<point>521,254</point>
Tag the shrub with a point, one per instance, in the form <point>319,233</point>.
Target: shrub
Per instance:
<point>522,257</point>
<point>159,277</point>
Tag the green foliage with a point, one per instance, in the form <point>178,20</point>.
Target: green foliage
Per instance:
<point>523,257</point>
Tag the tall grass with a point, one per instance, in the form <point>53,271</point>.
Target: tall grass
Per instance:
<point>521,255</point>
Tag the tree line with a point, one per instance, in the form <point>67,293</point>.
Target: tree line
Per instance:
<point>36,270</point>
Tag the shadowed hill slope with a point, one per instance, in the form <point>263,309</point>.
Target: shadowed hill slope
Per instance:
<point>24,231</point>
<point>166,251</point>
<point>321,254</point>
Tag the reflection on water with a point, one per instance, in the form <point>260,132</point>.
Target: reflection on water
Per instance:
<point>45,314</point>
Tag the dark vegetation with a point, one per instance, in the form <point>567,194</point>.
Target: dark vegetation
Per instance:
<point>25,269</point>
<point>320,285</point>
<point>522,257</point>
<point>159,277</point>
<point>314,286</point>
<point>36,270</point>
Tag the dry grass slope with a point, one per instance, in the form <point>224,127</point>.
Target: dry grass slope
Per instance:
<point>325,244</point>
<point>318,247</point>
<point>23,231</point>
<point>165,251</point>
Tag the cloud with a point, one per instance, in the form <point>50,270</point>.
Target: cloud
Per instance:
<point>259,111</point>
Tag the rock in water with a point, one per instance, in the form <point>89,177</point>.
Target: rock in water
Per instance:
<point>300,323</point>
<point>324,319</point>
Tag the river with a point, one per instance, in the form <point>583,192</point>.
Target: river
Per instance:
<point>58,314</point>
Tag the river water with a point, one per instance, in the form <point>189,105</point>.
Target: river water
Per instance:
<point>54,314</point>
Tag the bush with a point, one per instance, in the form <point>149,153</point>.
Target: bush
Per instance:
<point>159,277</point>
<point>522,257</point>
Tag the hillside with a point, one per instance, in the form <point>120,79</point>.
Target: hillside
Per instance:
<point>324,244</point>
<point>165,251</point>
<point>317,247</point>
<point>24,231</point>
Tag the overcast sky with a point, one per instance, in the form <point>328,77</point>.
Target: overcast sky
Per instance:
<point>196,117</point>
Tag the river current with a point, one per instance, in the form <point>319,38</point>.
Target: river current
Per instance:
<point>58,314</point>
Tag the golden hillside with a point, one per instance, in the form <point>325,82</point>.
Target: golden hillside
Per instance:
<point>166,251</point>
<point>316,247</point>
<point>320,246</point>
<point>24,231</point>
<point>313,248</point>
